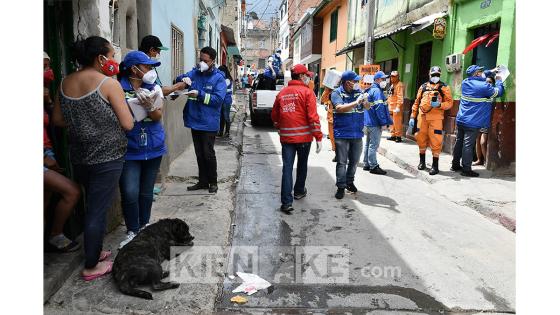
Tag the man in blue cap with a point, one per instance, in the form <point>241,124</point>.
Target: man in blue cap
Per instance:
<point>475,109</point>
<point>375,118</point>
<point>348,115</point>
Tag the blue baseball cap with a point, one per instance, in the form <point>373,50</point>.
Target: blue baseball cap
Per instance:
<point>379,75</point>
<point>349,76</point>
<point>136,57</point>
<point>474,68</point>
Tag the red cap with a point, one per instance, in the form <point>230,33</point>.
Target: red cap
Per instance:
<point>299,69</point>
<point>310,74</point>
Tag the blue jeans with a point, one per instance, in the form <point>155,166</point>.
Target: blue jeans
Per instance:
<point>225,112</point>
<point>464,146</point>
<point>137,191</point>
<point>348,153</point>
<point>100,183</point>
<point>289,151</point>
<point>373,137</point>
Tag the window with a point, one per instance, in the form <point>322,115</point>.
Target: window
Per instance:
<point>334,25</point>
<point>482,55</point>
<point>177,55</point>
<point>261,43</point>
<point>389,65</point>
<point>262,63</point>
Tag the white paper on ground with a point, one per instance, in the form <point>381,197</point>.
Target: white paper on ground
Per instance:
<point>251,283</point>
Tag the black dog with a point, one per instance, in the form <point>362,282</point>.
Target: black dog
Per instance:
<point>139,262</point>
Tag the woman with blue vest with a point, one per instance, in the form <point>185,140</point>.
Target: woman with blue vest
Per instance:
<point>146,142</point>
<point>226,106</point>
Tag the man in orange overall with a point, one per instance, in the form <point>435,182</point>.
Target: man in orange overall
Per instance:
<point>396,100</point>
<point>433,98</point>
<point>326,100</point>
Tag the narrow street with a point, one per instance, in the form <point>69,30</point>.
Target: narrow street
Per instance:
<point>402,246</point>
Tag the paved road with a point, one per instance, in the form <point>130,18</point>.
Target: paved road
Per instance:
<point>397,245</point>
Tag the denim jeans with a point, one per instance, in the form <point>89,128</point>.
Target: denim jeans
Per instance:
<point>100,182</point>
<point>289,151</point>
<point>464,145</point>
<point>203,142</point>
<point>373,137</point>
<point>137,191</point>
<point>348,153</point>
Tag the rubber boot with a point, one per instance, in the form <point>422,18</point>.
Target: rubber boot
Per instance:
<point>435,166</point>
<point>422,165</point>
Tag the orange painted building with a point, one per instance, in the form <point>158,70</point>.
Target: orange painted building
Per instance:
<point>335,23</point>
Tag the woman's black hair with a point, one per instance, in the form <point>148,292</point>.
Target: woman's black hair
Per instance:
<point>225,70</point>
<point>86,50</point>
<point>123,71</point>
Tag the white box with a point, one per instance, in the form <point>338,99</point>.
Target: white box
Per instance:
<point>332,78</point>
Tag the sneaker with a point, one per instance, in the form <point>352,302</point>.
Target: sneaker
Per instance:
<point>367,168</point>
<point>299,196</point>
<point>378,170</point>
<point>287,209</point>
<point>129,237</point>
<point>469,173</point>
<point>61,243</point>
<point>339,193</point>
<point>334,159</point>
<point>351,188</point>
<point>197,186</point>
<point>398,139</point>
<point>213,188</point>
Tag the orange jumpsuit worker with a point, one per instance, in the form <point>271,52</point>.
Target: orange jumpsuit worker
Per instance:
<point>396,100</point>
<point>326,100</point>
<point>433,98</point>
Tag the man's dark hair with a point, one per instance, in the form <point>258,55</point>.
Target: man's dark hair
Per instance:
<point>86,50</point>
<point>148,42</point>
<point>209,51</point>
<point>296,76</point>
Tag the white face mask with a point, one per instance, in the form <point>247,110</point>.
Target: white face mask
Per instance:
<point>434,79</point>
<point>156,58</point>
<point>383,84</point>
<point>356,86</point>
<point>306,80</point>
<point>483,75</point>
<point>203,66</point>
<point>149,77</point>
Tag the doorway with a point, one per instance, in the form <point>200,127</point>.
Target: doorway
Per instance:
<point>482,55</point>
<point>424,59</point>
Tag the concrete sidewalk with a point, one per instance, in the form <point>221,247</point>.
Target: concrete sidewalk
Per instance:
<point>492,194</point>
<point>209,219</point>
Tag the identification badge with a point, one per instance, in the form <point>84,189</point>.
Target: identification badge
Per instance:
<point>143,138</point>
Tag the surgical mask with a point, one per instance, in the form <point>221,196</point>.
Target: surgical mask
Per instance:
<point>356,86</point>
<point>383,84</point>
<point>306,80</point>
<point>483,75</point>
<point>203,66</point>
<point>434,79</point>
<point>156,58</point>
<point>148,77</point>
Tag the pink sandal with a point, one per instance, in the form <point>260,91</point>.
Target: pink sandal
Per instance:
<point>97,275</point>
<point>104,255</point>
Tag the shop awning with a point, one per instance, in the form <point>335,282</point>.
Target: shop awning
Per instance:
<point>351,47</point>
<point>402,28</point>
<point>425,22</point>
<point>233,51</point>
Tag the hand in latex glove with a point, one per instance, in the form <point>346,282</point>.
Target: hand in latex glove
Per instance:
<point>360,99</point>
<point>435,104</point>
<point>193,93</point>
<point>411,122</point>
<point>319,146</point>
<point>397,110</point>
<point>187,81</point>
<point>144,98</point>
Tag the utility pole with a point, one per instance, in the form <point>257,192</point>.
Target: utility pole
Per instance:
<point>369,41</point>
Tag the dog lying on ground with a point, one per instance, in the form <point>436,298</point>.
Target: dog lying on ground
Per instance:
<point>139,261</point>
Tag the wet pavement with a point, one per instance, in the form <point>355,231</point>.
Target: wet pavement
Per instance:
<point>398,245</point>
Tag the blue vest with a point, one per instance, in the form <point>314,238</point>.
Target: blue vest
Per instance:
<point>153,130</point>
<point>347,125</point>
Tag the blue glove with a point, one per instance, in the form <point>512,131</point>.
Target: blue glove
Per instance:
<point>411,122</point>
<point>435,104</point>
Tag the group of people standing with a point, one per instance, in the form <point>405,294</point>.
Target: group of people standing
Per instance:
<point>111,146</point>
<point>355,111</point>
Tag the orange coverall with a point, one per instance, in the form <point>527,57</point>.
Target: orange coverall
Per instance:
<point>430,119</point>
<point>326,99</point>
<point>396,100</point>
